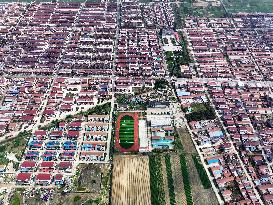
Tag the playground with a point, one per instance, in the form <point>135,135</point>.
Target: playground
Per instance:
<point>127,132</point>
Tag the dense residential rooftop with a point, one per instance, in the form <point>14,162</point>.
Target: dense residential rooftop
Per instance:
<point>84,82</point>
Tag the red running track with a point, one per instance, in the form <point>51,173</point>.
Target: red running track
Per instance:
<point>135,147</point>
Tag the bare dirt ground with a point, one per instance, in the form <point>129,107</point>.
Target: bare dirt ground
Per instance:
<point>186,141</point>
<point>90,178</point>
<point>131,180</point>
<point>33,201</point>
<point>74,199</point>
<point>90,188</point>
<point>200,195</point>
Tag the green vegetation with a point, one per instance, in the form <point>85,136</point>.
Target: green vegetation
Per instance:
<point>133,101</point>
<point>104,109</point>
<point>69,95</point>
<point>69,118</point>
<point>173,65</point>
<point>16,146</point>
<point>187,8</point>
<point>235,6</point>
<point>81,189</point>
<point>201,111</point>
<point>177,143</point>
<point>201,172</point>
<point>156,180</point>
<point>186,179</point>
<point>16,165</point>
<point>160,84</point>
<point>77,198</point>
<point>173,41</point>
<point>97,110</point>
<point>186,60</point>
<point>187,156</point>
<point>51,125</point>
<point>92,201</point>
<point>177,58</point>
<point>126,132</point>
<point>178,23</point>
<point>173,69</point>
<point>15,200</point>
<point>184,169</point>
<point>123,98</point>
<point>21,139</point>
<point>170,179</point>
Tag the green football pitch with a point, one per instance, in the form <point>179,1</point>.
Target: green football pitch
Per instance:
<point>126,132</point>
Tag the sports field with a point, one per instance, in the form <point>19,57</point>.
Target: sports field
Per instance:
<point>126,132</point>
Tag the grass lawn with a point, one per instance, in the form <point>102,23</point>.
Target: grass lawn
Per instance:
<point>15,200</point>
<point>187,8</point>
<point>234,6</point>
<point>126,132</point>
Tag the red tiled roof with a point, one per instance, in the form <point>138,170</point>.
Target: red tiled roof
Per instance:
<point>23,177</point>
<point>30,112</point>
<point>62,124</point>
<point>27,118</point>
<point>73,133</point>
<point>47,164</point>
<point>58,177</point>
<point>56,133</point>
<point>28,164</point>
<point>48,112</point>
<point>40,133</point>
<point>43,177</point>
<point>268,197</point>
<point>75,124</point>
<point>170,137</point>
<point>65,164</point>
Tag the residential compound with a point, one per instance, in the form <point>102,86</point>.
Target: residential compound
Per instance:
<point>224,141</point>
<point>27,101</point>
<point>237,48</point>
<point>59,38</point>
<point>139,56</point>
<point>60,64</point>
<point>52,155</point>
<point>63,63</point>
<point>232,59</point>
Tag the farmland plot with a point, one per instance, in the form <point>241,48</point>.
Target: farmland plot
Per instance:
<point>178,181</point>
<point>131,181</point>
<point>200,195</point>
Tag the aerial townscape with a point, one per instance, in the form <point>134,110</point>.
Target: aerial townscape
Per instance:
<point>136,102</point>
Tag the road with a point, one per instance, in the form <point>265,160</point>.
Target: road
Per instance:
<point>109,137</point>
<point>220,80</point>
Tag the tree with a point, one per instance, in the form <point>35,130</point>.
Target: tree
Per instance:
<point>160,84</point>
